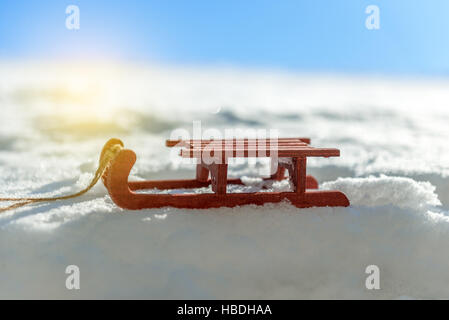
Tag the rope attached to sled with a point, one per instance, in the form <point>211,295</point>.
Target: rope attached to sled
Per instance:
<point>108,155</point>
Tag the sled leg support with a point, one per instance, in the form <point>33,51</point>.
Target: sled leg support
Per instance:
<point>122,191</point>
<point>281,167</point>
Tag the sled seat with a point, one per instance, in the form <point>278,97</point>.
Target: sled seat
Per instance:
<point>212,157</point>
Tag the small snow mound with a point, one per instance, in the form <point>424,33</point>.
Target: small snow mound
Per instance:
<point>384,190</point>
<point>251,181</point>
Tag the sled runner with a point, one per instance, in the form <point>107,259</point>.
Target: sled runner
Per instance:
<point>212,159</point>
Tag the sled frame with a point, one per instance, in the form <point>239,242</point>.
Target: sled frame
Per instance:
<point>287,153</point>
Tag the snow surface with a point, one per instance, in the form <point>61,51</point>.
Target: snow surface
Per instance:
<point>393,167</point>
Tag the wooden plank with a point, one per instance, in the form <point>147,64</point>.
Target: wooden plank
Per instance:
<point>202,173</point>
<point>245,153</point>
<point>219,177</point>
<point>246,145</point>
<point>316,152</point>
<point>301,163</point>
<point>311,183</point>
<point>173,143</point>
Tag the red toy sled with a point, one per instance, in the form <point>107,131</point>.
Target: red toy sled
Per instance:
<point>289,153</point>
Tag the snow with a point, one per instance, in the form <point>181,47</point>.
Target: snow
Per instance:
<point>392,134</point>
<point>381,191</point>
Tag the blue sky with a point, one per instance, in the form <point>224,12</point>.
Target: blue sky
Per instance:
<point>314,35</point>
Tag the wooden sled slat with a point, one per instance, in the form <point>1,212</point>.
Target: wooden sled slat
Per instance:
<point>179,143</point>
<point>284,152</point>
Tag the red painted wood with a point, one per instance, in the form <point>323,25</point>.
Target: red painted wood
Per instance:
<point>260,152</point>
<point>223,144</point>
<point>183,143</point>
<point>202,173</point>
<point>117,184</point>
<point>168,184</point>
<point>219,177</point>
<point>311,183</point>
<point>121,191</point>
<point>300,163</point>
<point>279,174</point>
